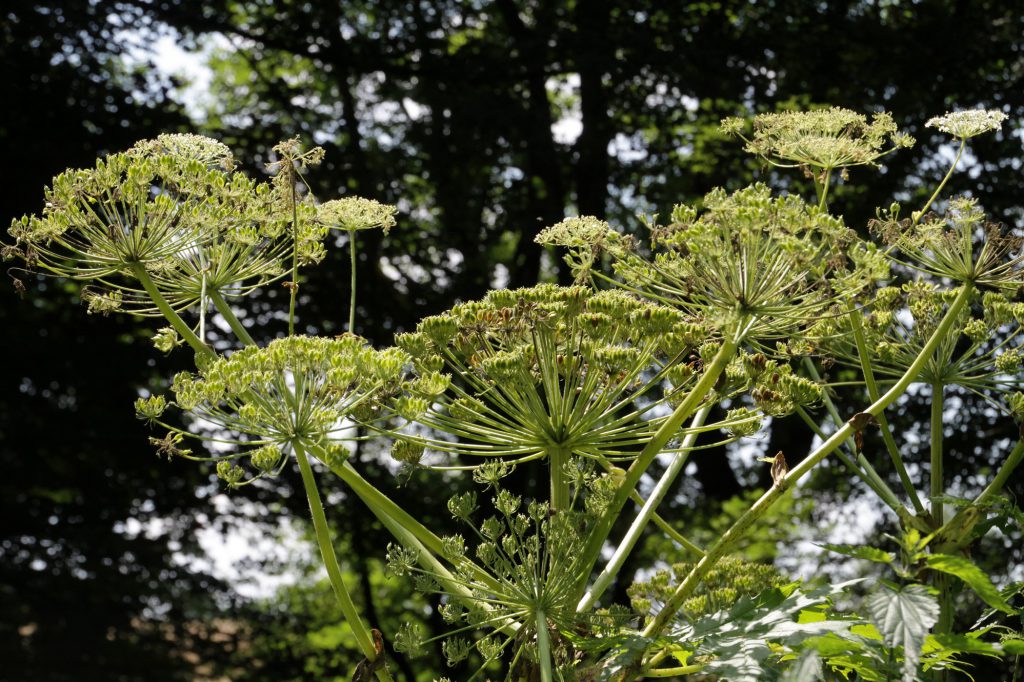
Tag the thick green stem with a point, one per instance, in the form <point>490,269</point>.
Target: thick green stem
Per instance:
<point>823,198</point>
<point>628,542</point>
<point>558,459</point>
<point>439,571</point>
<point>955,533</point>
<point>739,528</point>
<point>668,430</point>
<point>382,506</point>
<point>872,480</point>
<point>544,648</point>
<point>229,316</point>
<point>883,423</point>
<point>352,300</point>
<point>937,487</point>
<point>323,538</point>
<point>668,530</point>
<point>168,312</point>
<point>861,467</point>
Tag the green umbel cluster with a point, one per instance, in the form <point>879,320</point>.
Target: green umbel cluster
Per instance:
<point>297,390</point>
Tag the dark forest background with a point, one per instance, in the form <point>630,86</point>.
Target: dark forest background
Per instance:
<point>446,109</point>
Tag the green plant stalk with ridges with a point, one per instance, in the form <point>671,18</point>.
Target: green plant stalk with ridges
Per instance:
<point>873,394</point>
<point>363,637</point>
<point>858,464</point>
<point>937,488</point>
<point>229,316</point>
<point>558,459</point>
<point>382,506</point>
<point>645,514</point>
<point>659,673</point>
<point>543,647</point>
<point>668,530</point>
<point>823,190</point>
<point>592,550</point>
<point>323,538</point>
<point>737,530</point>
<point>432,564</point>
<point>1013,460</point>
<point>172,317</point>
<point>862,469</point>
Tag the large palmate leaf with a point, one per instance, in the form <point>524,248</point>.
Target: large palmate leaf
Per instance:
<point>904,616</point>
<point>741,642</point>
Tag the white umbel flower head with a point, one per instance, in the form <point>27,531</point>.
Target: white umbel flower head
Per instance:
<point>969,123</point>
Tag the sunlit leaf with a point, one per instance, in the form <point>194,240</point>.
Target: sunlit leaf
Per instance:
<point>975,578</point>
<point>904,616</point>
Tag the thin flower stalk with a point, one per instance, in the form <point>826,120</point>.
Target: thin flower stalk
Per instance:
<point>392,515</point>
<point>937,485</point>
<point>352,215</point>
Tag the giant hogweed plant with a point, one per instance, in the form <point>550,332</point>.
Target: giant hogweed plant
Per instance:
<point>731,312</point>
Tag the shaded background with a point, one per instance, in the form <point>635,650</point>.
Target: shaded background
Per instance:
<point>484,121</point>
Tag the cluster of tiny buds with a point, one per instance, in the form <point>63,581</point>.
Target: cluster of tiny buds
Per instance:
<point>356,213</point>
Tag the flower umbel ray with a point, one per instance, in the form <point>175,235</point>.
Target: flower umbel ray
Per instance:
<point>545,370</point>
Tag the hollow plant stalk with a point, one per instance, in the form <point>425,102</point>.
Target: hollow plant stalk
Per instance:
<point>558,458</point>
<point>670,427</point>
<point>739,527</point>
<point>544,647</point>
<point>364,639</point>
<point>386,510</point>
<point>873,394</point>
<point>222,306</point>
<point>936,487</point>
<point>294,288</point>
<point>645,514</point>
<point>955,533</point>
<point>168,312</point>
<point>956,160</point>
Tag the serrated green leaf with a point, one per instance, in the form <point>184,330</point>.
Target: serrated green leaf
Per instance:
<point>861,552</point>
<point>975,578</point>
<point>904,617</point>
<point>963,644</point>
